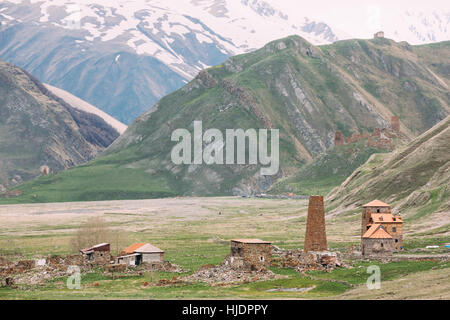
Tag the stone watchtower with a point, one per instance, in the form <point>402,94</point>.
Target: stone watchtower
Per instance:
<point>316,237</point>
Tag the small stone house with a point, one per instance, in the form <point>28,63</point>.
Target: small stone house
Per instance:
<point>141,253</point>
<point>377,242</point>
<point>253,254</point>
<point>98,254</point>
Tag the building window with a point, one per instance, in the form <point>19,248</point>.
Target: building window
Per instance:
<point>261,258</point>
<point>394,229</point>
<point>382,245</point>
<point>378,210</point>
<point>396,240</point>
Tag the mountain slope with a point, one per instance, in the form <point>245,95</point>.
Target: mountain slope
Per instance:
<point>38,128</point>
<point>124,55</point>
<point>416,177</point>
<point>306,92</point>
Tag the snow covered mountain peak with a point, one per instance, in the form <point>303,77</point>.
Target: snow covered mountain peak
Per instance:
<point>174,39</point>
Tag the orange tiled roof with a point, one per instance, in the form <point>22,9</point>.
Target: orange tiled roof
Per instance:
<point>385,218</point>
<point>376,203</point>
<point>376,231</point>
<point>132,248</point>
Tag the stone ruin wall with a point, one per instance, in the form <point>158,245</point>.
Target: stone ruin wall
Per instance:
<point>379,138</point>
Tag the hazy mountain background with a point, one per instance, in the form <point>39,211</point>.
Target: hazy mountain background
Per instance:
<point>123,56</point>
<point>306,91</point>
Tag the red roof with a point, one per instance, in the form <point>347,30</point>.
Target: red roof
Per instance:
<point>376,231</point>
<point>141,248</point>
<point>133,248</point>
<point>376,203</point>
<point>386,218</point>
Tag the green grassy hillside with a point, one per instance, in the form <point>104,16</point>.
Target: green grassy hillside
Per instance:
<point>327,171</point>
<point>415,178</point>
<point>306,92</point>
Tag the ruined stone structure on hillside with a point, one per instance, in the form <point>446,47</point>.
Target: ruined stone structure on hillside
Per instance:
<point>45,170</point>
<point>338,138</point>
<point>379,138</point>
<point>379,34</point>
<point>378,225</point>
<point>316,237</point>
<point>395,123</point>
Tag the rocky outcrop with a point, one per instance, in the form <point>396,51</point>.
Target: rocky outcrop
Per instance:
<point>247,101</point>
<point>42,131</point>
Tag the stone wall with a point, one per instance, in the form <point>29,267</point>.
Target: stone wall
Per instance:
<point>316,237</point>
<point>379,138</point>
<point>97,258</point>
<point>153,257</point>
<point>377,247</point>
<point>251,255</point>
<point>397,234</point>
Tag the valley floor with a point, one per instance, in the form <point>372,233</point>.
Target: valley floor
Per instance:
<point>195,232</point>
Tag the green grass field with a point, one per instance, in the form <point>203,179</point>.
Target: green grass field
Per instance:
<point>192,233</point>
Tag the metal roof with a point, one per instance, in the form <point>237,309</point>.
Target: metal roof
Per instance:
<point>91,249</point>
<point>148,248</point>
<point>100,245</point>
<point>250,241</point>
<point>376,203</point>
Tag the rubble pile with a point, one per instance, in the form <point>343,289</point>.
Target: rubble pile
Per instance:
<point>144,267</point>
<point>304,261</point>
<point>34,272</point>
<point>224,274</point>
